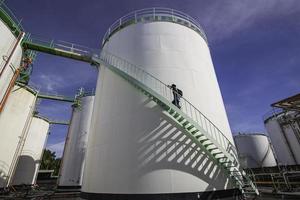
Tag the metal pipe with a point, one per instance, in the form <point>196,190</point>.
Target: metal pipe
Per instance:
<point>8,90</point>
<point>12,52</point>
<point>15,76</point>
<point>286,180</point>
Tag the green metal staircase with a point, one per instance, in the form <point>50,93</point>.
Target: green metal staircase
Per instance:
<point>197,126</point>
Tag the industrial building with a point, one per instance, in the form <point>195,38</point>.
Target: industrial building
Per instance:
<point>156,126</point>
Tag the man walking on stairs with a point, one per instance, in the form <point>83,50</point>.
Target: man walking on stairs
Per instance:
<point>177,94</point>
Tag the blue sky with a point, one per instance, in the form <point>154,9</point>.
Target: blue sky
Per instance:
<point>255,46</point>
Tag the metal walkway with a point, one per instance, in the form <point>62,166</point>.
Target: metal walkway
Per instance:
<point>56,97</point>
<point>59,48</point>
<point>197,126</point>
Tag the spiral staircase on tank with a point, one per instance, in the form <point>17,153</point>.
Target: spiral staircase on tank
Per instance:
<point>197,126</point>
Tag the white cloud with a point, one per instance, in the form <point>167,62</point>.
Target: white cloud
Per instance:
<point>223,18</point>
<point>50,82</point>
<point>58,148</point>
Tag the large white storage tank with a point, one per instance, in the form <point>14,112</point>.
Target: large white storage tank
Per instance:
<point>284,130</point>
<point>134,147</point>
<point>10,50</point>
<point>75,146</point>
<point>14,122</point>
<point>30,158</point>
<point>254,150</point>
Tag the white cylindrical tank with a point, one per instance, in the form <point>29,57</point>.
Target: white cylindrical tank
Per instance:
<point>75,146</point>
<point>30,158</point>
<point>10,51</point>
<point>14,122</point>
<point>134,147</point>
<point>284,131</point>
<point>254,150</point>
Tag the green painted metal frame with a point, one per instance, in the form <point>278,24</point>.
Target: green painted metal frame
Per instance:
<point>56,97</point>
<point>55,51</point>
<point>10,20</point>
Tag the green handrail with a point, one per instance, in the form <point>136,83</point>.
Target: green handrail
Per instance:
<point>7,16</point>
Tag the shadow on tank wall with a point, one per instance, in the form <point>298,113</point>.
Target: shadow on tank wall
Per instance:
<point>3,169</point>
<point>164,145</point>
<point>24,171</point>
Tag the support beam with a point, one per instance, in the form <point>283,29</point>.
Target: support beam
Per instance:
<point>56,97</point>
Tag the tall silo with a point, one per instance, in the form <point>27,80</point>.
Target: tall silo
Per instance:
<point>135,150</point>
<point>14,122</point>
<point>283,128</point>
<point>10,51</point>
<point>30,158</point>
<point>254,150</point>
<point>70,176</point>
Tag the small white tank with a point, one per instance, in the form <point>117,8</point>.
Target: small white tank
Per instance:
<point>30,158</point>
<point>284,131</point>
<point>10,51</point>
<point>75,146</point>
<point>14,122</point>
<point>254,150</point>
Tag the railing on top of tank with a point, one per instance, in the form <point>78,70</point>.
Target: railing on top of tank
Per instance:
<point>165,91</point>
<point>90,92</point>
<point>9,14</point>
<point>61,45</point>
<point>272,113</point>
<point>155,14</point>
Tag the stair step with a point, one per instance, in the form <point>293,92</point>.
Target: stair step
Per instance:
<point>195,131</point>
<point>185,123</point>
<point>229,167</point>
<point>213,148</point>
<point>190,127</point>
<point>181,119</point>
<point>176,115</point>
<point>203,140</point>
<point>171,111</point>
<point>225,162</point>
<point>217,153</point>
<point>208,144</point>
<point>164,106</point>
